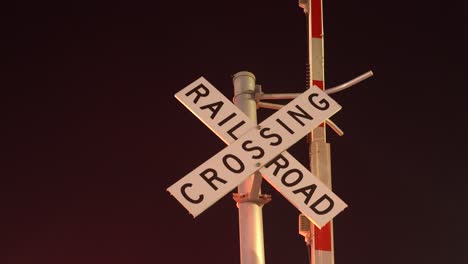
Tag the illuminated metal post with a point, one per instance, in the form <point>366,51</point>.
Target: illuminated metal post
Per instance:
<point>319,150</point>
<point>248,197</point>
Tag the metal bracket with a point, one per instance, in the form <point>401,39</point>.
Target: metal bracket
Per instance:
<point>256,184</point>
<point>261,199</point>
<point>251,93</point>
<point>258,94</point>
<point>254,95</point>
<point>254,196</point>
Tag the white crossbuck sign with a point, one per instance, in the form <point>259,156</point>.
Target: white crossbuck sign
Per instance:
<point>257,148</point>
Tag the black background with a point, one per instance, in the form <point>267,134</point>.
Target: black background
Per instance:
<point>92,135</point>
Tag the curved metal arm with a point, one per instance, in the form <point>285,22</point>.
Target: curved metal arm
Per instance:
<point>348,84</point>
<point>335,128</point>
<point>341,87</point>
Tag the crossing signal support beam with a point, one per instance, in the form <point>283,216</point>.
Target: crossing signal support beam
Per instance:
<point>249,198</point>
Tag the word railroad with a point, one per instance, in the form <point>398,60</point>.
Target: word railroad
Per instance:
<point>257,148</point>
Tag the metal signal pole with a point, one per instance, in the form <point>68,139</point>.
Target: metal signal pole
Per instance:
<point>249,200</point>
<point>319,150</point>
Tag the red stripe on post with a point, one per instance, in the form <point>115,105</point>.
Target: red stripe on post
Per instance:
<point>323,238</point>
<point>318,83</point>
<point>316,12</point>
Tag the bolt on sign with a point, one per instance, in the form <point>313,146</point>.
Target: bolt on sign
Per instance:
<point>257,148</point>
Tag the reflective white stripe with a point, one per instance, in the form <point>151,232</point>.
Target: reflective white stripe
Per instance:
<point>323,257</point>
<point>317,59</point>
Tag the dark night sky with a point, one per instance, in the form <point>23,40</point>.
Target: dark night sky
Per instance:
<point>92,135</point>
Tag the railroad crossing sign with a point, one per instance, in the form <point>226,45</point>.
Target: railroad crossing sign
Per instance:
<point>257,148</point>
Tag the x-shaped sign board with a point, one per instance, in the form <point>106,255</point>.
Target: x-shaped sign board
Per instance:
<point>257,148</point>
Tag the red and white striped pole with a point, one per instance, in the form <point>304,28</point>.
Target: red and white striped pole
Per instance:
<point>319,150</point>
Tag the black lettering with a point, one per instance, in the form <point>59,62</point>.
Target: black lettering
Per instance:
<point>198,92</point>
<point>296,115</point>
<point>278,165</point>
<point>214,107</point>
<point>308,191</point>
<point>213,177</point>
<point>234,128</point>
<point>188,198</point>
<point>239,162</point>
<point>229,117</point>
<point>259,149</point>
<point>285,126</point>
<point>321,199</point>
<point>273,135</point>
<point>296,181</point>
<point>324,104</point>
